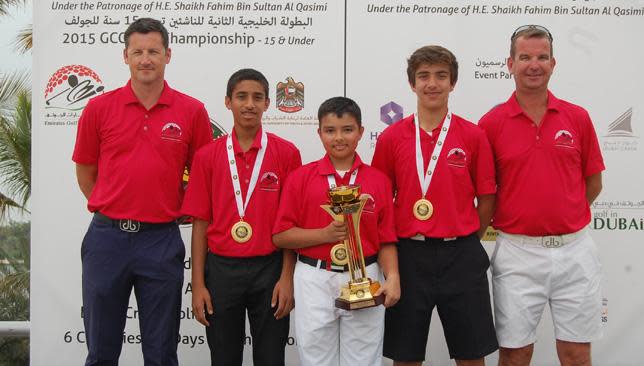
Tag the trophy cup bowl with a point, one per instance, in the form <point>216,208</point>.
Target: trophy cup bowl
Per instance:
<point>346,204</point>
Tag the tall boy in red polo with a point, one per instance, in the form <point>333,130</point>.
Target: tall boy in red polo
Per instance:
<point>326,335</point>
<point>439,163</point>
<point>233,195</point>
<point>549,172</point>
<point>131,149</point>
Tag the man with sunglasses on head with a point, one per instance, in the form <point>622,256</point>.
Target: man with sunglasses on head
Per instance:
<point>549,166</point>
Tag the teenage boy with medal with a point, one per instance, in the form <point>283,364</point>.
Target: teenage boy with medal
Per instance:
<point>234,190</point>
<point>439,164</point>
<point>327,335</point>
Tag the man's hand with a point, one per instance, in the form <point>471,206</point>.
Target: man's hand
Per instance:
<point>391,290</point>
<point>335,232</point>
<point>283,297</point>
<point>201,304</point>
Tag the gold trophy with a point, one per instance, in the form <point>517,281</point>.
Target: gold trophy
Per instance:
<point>346,205</point>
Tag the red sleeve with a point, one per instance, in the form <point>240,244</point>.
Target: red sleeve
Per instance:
<point>290,204</point>
<point>483,170</point>
<point>295,162</point>
<point>386,224</point>
<point>197,201</point>
<point>88,141</point>
<point>201,133</point>
<point>591,157</point>
<point>383,158</point>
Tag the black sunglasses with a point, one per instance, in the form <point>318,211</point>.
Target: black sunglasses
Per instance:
<point>528,27</point>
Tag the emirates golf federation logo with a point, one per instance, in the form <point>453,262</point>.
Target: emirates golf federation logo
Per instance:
<point>290,96</point>
<point>564,138</point>
<point>71,86</point>
<point>457,157</point>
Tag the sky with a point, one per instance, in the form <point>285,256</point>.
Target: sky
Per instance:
<point>10,25</point>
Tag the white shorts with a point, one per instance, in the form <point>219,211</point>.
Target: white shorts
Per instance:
<point>327,335</point>
<point>530,272</point>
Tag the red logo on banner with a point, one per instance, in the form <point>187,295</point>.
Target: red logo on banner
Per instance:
<point>71,86</point>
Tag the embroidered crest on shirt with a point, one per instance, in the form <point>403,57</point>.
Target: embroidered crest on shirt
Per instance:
<point>564,138</point>
<point>269,182</point>
<point>457,157</point>
<point>171,131</point>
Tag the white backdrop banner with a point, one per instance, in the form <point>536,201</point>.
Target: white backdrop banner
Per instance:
<point>356,48</point>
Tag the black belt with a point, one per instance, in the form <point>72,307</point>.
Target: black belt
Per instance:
<point>131,226</point>
<point>329,266</point>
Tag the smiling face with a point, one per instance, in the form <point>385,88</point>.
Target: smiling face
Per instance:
<point>532,64</point>
<point>432,85</point>
<point>248,102</point>
<point>340,137</point>
<point>146,57</point>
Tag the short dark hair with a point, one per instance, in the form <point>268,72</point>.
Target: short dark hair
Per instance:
<point>432,55</point>
<point>339,106</point>
<point>246,74</point>
<point>147,25</point>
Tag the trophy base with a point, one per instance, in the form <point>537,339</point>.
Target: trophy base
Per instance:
<point>359,295</point>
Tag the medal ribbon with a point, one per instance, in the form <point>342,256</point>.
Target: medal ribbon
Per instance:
<point>332,182</point>
<point>234,175</point>
<point>425,178</point>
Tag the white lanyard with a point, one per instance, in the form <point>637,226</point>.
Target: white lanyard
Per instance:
<point>234,175</point>
<point>425,178</point>
<point>332,182</point>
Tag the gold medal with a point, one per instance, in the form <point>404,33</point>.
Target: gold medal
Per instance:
<point>339,254</point>
<point>423,209</point>
<point>241,232</point>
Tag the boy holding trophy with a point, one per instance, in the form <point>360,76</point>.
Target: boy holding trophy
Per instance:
<point>337,214</point>
<point>439,163</point>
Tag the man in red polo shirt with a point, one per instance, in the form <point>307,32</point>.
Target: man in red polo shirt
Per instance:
<point>549,171</point>
<point>326,335</point>
<point>131,149</point>
<point>234,191</point>
<point>438,164</point>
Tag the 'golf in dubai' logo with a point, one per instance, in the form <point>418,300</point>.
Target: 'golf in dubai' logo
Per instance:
<point>620,136</point>
<point>71,86</point>
<point>289,96</point>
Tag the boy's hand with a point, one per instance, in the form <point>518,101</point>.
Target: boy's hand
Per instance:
<point>201,303</point>
<point>335,232</point>
<point>391,289</point>
<point>283,297</point>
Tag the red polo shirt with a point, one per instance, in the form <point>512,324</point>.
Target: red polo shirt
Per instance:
<point>141,154</point>
<point>210,195</point>
<point>465,169</point>
<point>542,169</point>
<point>306,189</point>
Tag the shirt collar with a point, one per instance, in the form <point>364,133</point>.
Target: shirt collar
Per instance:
<point>256,145</point>
<point>515,109</point>
<point>166,98</point>
<point>325,166</point>
<point>410,130</point>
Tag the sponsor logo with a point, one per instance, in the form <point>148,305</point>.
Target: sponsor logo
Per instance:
<point>620,135</point>
<point>67,93</point>
<point>457,157</point>
<point>564,138</point>
<point>390,113</point>
<point>71,86</point>
<point>618,216</point>
<point>289,96</point>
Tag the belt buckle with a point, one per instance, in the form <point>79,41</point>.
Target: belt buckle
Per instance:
<point>553,241</point>
<point>129,226</point>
